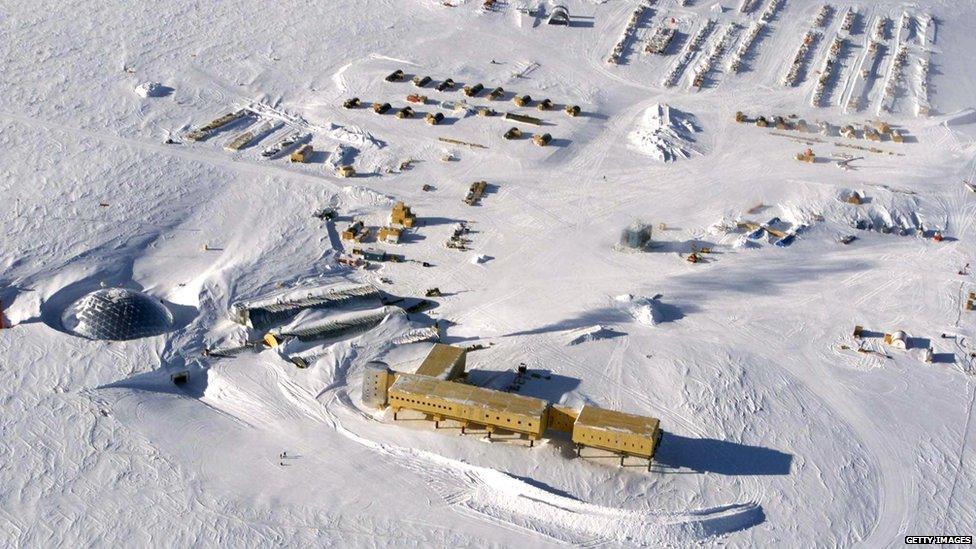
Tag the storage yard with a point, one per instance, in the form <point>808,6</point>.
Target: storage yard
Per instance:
<point>484,273</point>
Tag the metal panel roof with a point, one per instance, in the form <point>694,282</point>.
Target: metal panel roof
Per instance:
<point>469,395</point>
<point>613,421</point>
<point>339,324</point>
<point>439,360</point>
<point>117,314</point>
<point>277,307</point>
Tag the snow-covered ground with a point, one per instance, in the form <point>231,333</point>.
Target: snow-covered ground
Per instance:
<point>778,432</point>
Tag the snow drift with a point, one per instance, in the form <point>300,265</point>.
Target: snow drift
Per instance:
<point>649,311</point>
<point>665,134</point>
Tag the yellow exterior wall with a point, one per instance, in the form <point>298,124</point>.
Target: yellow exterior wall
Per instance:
<point>302,154</point>
<point>562,418</point>
<point>493,419</point>
<point>617,431</point>
<point>632,444</point>
<point>493,409</point>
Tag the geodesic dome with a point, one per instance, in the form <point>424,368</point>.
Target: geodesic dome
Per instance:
<point>117,314</point>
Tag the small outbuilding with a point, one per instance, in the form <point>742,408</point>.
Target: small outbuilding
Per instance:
<point>402,215</point>
<point>513,133</point>
<point>302,154</point>
<point>523,118</point>
<point>542,139</point>
<point>475,192</point>
<point>390,235</point>
<point>372,254</point>
<point>898,340</point>
<point>636,236</point>
<point>472,91</point>
<point>806,156</point>
<point>355,231</point>
<point>559,16</point>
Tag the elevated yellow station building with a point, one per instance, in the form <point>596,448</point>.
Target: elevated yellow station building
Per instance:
<point>469,405</point>
<point>625,434</point>
<point>444,362</point>
<point>432,390</point>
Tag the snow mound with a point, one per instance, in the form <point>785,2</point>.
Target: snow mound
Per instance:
<point>152,89</point>
<point>355,136</point>
<point>740,242</point>
<point>363,197</point>
<point>643,309</point>
<point>665,134</point>
<point>649,311</point>
<point>591,333</point>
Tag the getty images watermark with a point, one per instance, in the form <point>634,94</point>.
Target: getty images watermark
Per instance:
<point>938,540</point>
